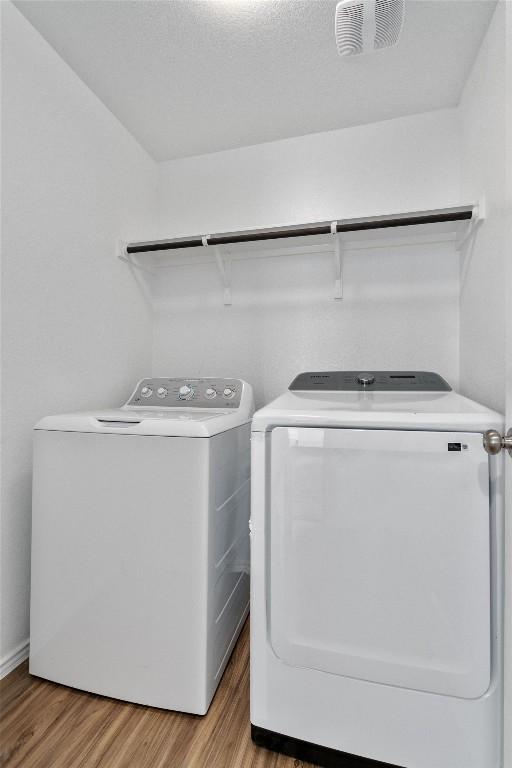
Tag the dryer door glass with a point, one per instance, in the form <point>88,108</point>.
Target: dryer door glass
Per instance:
<point>380,556</point>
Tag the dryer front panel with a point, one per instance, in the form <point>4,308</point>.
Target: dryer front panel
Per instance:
<point>380,556</point>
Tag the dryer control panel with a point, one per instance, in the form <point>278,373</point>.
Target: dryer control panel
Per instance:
<point>186,393</point>
<point>378,381</point>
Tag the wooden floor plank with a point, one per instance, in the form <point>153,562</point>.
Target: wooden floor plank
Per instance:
<point>14,685</point>
<point>44,725</point>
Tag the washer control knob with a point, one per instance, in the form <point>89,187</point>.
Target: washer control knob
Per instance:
<point>161,392</point>
<point>229,392</point>
<point>210,393</point>
<point>366,379</point>
<point>146,391</point>
<point>186,392</point>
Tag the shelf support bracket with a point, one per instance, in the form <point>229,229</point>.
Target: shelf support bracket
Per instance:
<point>477,219</point>
<point>466,244</point>
<point>224,267</point>
<point>338,273</point>
<point>123,254</point>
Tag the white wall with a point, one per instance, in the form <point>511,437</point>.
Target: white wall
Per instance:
<point>75,327</point>
<point>400,307</point>
<point>483,151</point>
<point>397,165</point>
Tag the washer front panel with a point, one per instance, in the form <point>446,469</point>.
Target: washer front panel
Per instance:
<point>187,393</point>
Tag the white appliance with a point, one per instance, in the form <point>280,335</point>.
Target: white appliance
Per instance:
<point>376,562</point>
<point>140,546</point>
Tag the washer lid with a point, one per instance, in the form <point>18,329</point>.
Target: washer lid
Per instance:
<point>179,422</point>
<point>381,410</point>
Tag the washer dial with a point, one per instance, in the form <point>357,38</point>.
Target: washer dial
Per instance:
<point>229,392</point>
<point>162,392</point>
<point>146,391</point>
<point>210,393</point>
<point>186,392</point>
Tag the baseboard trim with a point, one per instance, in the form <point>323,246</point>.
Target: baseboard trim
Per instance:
<point>311,753</point>
<point>14,659</point>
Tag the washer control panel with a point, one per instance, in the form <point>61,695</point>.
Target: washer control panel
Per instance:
<point>187,393</point>
<point>377,381</point>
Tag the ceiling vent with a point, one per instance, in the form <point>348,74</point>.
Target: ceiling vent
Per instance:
<point>364,26</point>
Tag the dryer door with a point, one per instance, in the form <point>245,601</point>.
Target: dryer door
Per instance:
<point>380,556</point>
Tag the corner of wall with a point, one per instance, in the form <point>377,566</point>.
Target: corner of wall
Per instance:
<point>482,126</point>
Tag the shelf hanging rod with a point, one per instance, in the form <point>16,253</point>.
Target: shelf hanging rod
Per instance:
<point>302,230</point>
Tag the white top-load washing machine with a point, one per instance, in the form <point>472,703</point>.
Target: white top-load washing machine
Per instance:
<point>140,546</point>
<point>376,586</point>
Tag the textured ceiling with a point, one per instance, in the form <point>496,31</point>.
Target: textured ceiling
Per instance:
<point>192,76</point>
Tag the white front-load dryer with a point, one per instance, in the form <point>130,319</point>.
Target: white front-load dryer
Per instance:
<point>377,563</point>
<point>140,546</point>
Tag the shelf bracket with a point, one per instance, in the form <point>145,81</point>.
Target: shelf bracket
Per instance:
<point>224,267</point>
<point>478,217</point>
<point>123,254</point>
<point>338,274</point>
